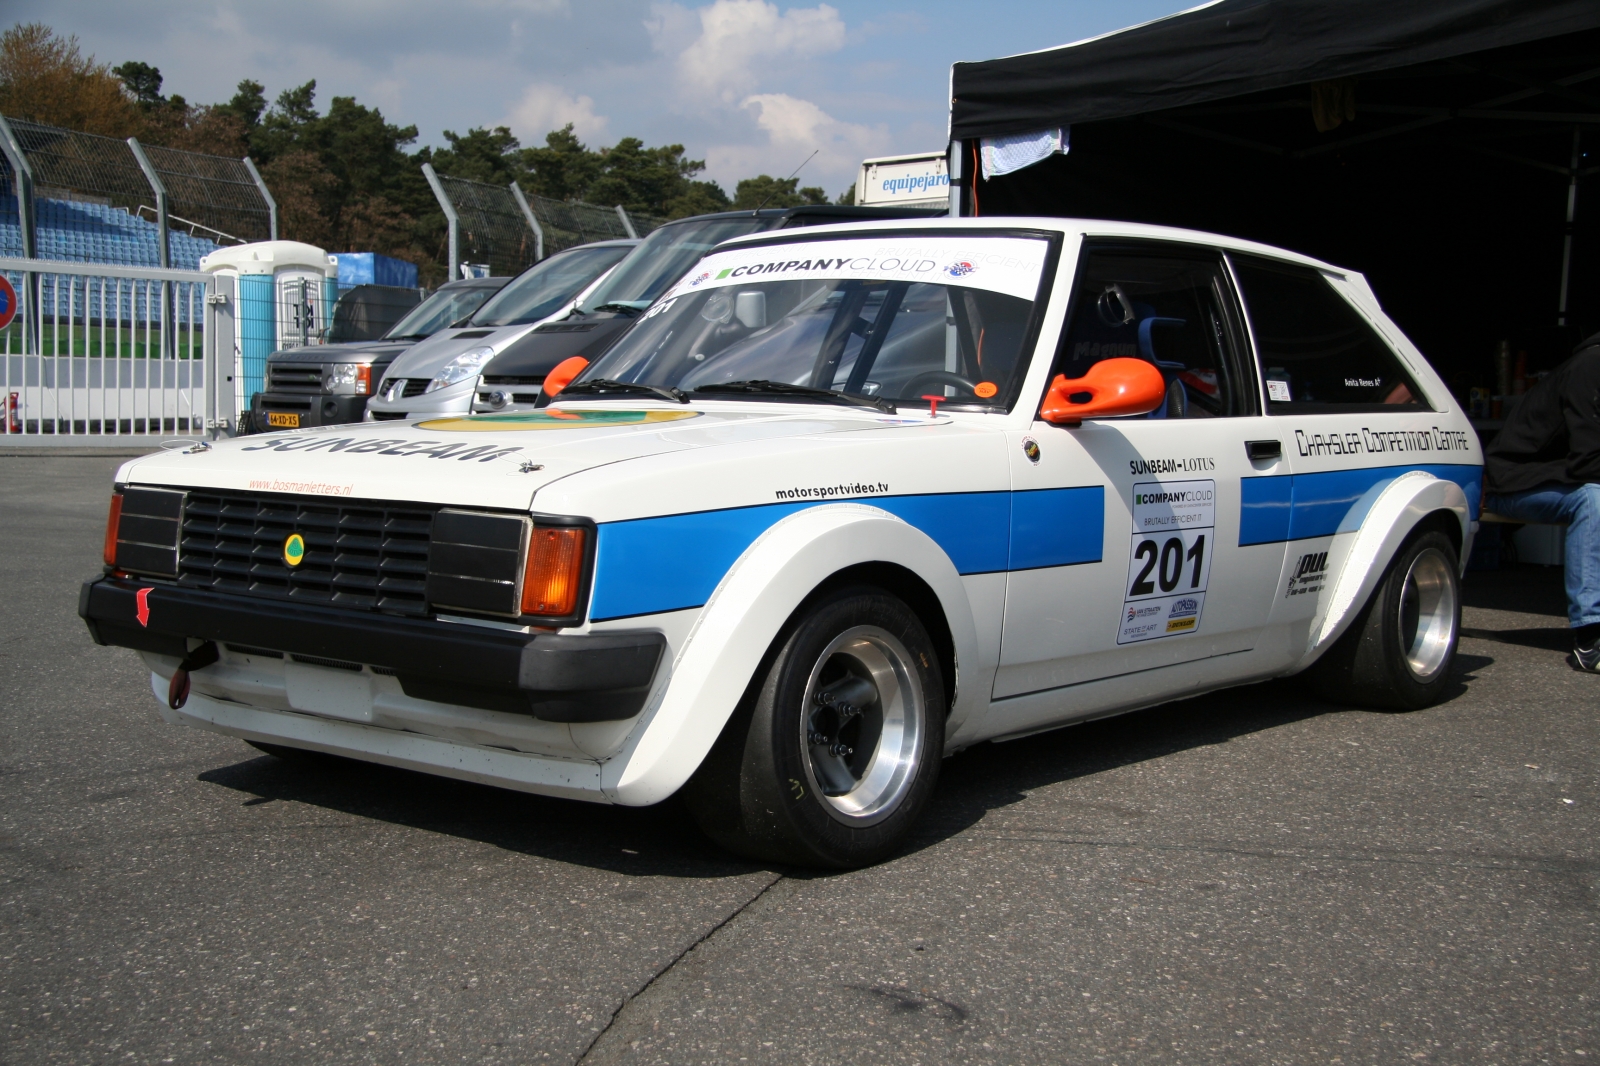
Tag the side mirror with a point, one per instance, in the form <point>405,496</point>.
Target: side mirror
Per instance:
<point>1111,387</point>
<point>562,375</point>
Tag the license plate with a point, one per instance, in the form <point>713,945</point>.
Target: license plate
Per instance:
<point>289,420</point>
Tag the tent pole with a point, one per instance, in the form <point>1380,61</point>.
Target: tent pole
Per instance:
<point>953,167</point>
<point>1572,205</point>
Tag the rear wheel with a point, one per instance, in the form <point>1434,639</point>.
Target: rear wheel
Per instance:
<point>834,753</point>
<point>1398,651</point>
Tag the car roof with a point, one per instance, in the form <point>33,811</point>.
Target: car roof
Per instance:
<point>474,283</point>
<point>841,212</point>
<point>1086,227</point>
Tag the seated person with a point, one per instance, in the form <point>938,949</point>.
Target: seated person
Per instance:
<point>1545,467</point>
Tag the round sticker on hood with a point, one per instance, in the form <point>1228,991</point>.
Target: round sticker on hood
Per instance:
<point>515,421</point>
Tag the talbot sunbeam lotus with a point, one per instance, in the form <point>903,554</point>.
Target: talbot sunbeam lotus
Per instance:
<point>842,502</point>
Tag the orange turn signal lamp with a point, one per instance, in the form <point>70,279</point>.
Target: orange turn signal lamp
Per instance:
<point>364,379</point>
<point>113,523</point>
<point>553,572</point>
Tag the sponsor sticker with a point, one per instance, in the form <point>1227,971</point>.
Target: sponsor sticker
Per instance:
<point>1010,265</point>
<point>1309,576</point>
<point>1169,560</point>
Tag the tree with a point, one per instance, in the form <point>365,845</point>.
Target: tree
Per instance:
<point>46,78</point>
<point>247,104</point>
<point>143,81</point>
<point>654,181</point>
<point>563,168</point>
<point>490,156</point>
<point>767,191</point>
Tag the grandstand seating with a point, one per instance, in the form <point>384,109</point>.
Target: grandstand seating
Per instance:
<point>79,232</point>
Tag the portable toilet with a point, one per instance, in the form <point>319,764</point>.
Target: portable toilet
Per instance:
<point>286,295</point>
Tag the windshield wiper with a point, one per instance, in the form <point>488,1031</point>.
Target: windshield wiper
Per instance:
<point>608,387</point>
<point>762,387</point>
<point>625,309</point>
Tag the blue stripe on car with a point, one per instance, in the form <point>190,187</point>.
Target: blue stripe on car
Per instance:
<point>1298,506</point>
<point>650,565</point>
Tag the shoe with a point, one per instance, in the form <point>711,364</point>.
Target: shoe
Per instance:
<point>1587,659</point>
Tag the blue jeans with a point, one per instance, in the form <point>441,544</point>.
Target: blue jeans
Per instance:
<point>1579,506</point>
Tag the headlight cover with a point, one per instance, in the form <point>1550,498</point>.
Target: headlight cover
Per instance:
<point>462,367</point>
<point>355,376</point>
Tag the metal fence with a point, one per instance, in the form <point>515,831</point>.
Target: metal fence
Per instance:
<point>116,351</point>
<point>84,198</point>
<point>213,196</point>
<point>500,229</point>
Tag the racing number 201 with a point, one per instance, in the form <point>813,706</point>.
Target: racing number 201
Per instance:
<point>1167,562</point>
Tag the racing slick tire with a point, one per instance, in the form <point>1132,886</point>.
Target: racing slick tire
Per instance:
<point>1398,651</point>
<point>835,749</point>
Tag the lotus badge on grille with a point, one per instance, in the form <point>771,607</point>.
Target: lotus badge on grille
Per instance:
<point>294,549</point>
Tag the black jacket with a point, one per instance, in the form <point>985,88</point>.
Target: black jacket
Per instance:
<point>1554,433</point>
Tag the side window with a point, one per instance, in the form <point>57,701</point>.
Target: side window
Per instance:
<point>1316,351</point>
<point>1168,309</point>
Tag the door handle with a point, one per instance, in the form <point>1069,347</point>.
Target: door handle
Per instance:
<point>1263,449</point>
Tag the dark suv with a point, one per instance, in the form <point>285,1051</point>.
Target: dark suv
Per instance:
<point>329,384</point>
<point>513,379</point>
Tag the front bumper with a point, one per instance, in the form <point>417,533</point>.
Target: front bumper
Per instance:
<point>556,677</point>
<point>455,399</point>
<point>314,409</point>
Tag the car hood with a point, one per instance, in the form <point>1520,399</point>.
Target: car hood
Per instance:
<point>498,461</point>
<point>425,359</point>
<point>537,352</point>
<point>347,351</point>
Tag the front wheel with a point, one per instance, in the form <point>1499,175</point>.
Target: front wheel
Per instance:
<point>1398,651</point>
<point>830,761</point>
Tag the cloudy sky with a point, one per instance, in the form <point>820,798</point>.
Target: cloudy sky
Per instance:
<point>748,85</point>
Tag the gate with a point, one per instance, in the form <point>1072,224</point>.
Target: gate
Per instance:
<point>98,351</point>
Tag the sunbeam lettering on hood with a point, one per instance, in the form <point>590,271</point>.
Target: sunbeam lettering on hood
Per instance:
<point>356,446</point>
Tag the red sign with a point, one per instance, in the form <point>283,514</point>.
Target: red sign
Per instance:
<point>8,302</point>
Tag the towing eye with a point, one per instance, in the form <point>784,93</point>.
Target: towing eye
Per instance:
<point>198,659</point>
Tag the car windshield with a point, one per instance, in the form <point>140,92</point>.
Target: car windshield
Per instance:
<point>539,291</point>
<point>893,319</point>
<point>664,256</point>
<point>438,311</point>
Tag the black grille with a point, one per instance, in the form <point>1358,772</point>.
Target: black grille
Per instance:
<point>358,554</point>
<point>294,377</point>
<point>567,327</point>
<point>387,416</point>
<point>147,532</point>
<point>415,387</point>
<point>513,379</point>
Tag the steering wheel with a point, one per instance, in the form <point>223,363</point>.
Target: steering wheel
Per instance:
<point>915,386</point>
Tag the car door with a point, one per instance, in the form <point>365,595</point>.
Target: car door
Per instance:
<point>1352,418</point>
<point>1168,581</point>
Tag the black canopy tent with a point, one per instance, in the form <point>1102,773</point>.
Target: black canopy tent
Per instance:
<point>1440,148</point>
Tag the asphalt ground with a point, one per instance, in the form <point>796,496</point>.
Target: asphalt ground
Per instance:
<point>1249,877</point>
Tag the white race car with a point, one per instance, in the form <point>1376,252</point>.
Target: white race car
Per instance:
<point>843,501</point>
